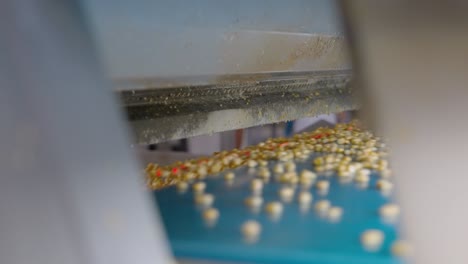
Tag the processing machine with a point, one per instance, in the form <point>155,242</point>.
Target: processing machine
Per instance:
<point>86,83</point>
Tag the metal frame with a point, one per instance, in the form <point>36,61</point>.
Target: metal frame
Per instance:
<point>161,114</point>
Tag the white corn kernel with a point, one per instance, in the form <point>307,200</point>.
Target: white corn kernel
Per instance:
<point>286,177</point>
<point>305,183</point>
<point>372,239</point>
<point>383,164</point>
<point>237,161</point>
<point>319,169</point>
<point>286,194</point>
<point>226,160</point>
<point>283,156</point>
<point>362,176</point>
<point>344,173</point>
<point>290,166</point>
<point>211,214</point>
<point>182,186</point>
<point>202,171</point>
<point>189,176</point>
<point>165,173</point>
<point>278,168</point>
<point>252,163</point>
<point>274,208</point>
<point>322,206</point>
<point>304,198</point>
<point>206,200</point>
<point>199,187</point>
<point>217,166</point>
<point>389,211</point>
<point>256,185</point>
<point>384,185</point>
<point>229,176</point>
<point>307,174</point>
<point>401,248</point>
<point>294,179</point>
<point>335,213</point>
<point>318,161</point>
<point>353,169</point>
<point>209,161</point>
<point>254,201</point>
<point>264,173</point>
<point>322,185</point>
<point>251,229</point>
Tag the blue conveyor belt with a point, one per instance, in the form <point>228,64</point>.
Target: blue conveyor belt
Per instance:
<point>296,237</point>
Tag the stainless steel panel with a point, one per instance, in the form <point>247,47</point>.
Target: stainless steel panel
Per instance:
<point>161,114</point>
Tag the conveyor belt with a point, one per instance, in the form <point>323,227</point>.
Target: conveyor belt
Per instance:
<point>295,238</point>
<point>351,160</point>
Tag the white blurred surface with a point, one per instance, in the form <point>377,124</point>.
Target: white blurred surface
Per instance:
<point>70,191</point>
<point>413,60</point>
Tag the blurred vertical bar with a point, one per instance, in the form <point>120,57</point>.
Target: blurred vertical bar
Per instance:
<point>411,59</point>
<point>70,191</point>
